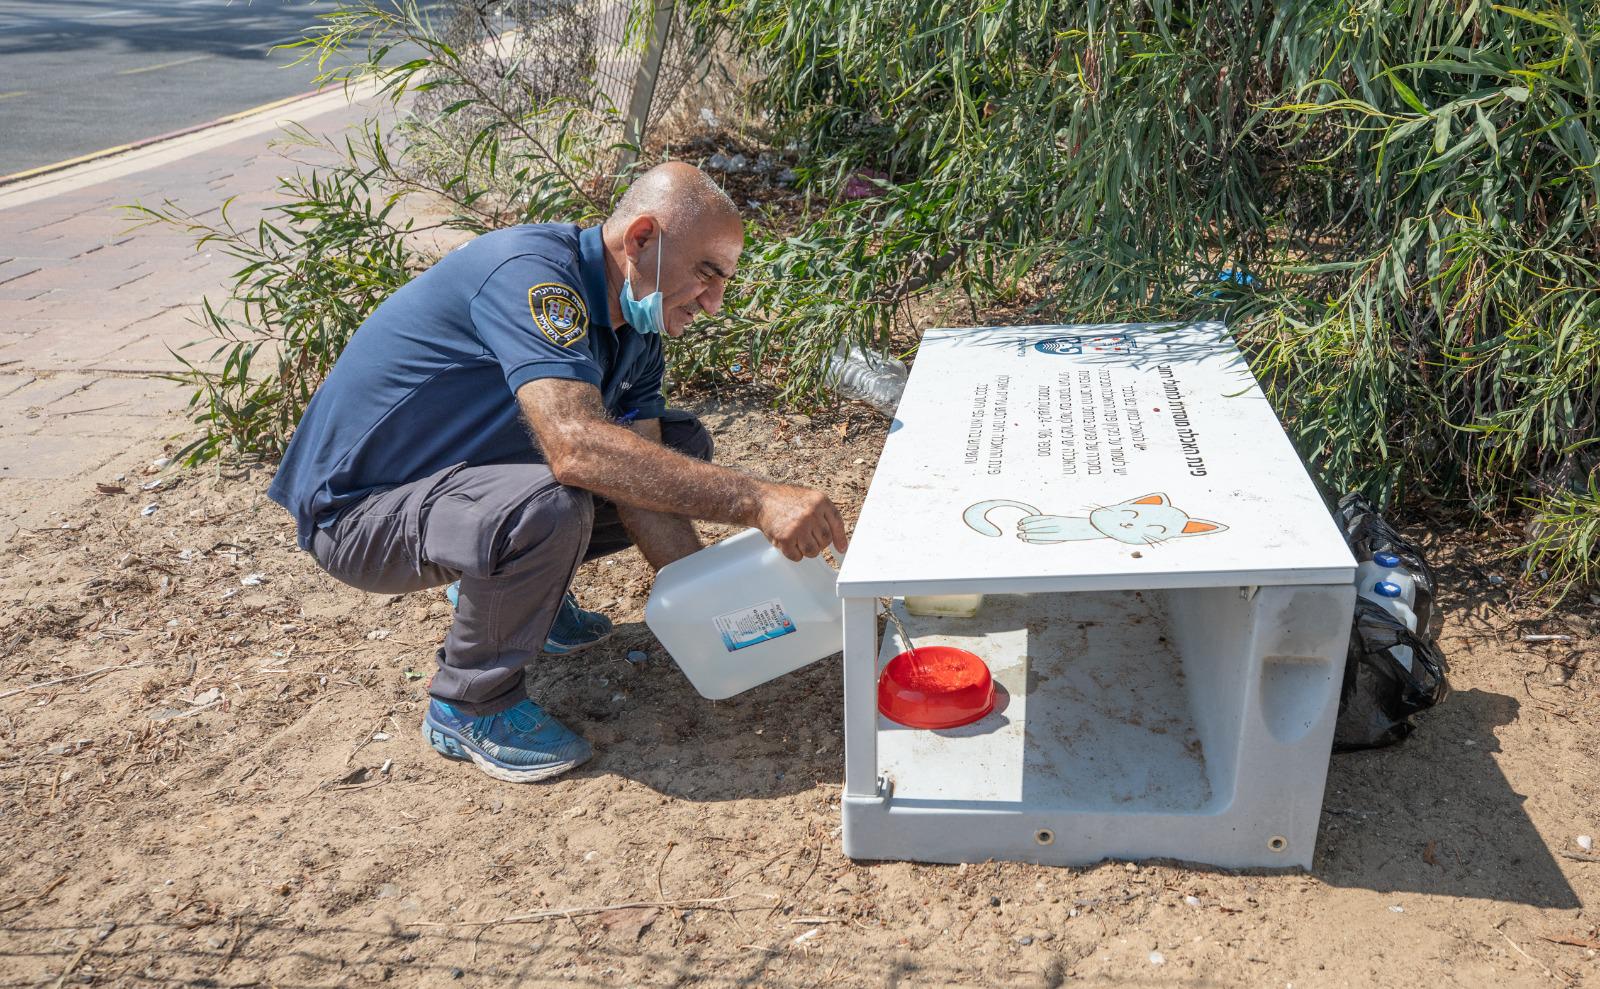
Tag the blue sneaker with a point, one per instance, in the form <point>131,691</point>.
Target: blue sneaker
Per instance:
<point>574,629</point>
<point>522,744</point>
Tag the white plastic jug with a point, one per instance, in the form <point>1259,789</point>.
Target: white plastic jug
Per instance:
<point>739,613</point>
<point>1391,598</point>
<point>1386,566</point>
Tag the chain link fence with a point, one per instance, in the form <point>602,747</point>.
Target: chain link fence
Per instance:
<point>624,61</point>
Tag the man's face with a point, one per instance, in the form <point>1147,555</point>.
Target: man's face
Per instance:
<point>695,268</point>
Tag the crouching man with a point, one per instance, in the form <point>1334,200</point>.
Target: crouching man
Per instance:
<point>499,420</point>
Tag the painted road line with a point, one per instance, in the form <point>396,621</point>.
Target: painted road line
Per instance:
<point>165,65</point>
<point>20,92</point>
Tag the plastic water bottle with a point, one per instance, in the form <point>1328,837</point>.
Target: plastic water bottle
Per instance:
<point>1390,597</point>
<point>1386,566</point>
<point>740,613</point>
<point>867,377</point>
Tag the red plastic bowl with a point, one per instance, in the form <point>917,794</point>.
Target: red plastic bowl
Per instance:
<point>938,687</point>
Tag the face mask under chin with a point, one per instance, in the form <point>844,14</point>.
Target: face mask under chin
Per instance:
<point>644,315</point>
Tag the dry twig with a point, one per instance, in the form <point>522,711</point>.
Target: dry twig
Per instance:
<point>1576,942</point>
<point>233,948</point>
<point>77,960</point>
<point>367,738</point>
<point>76,676</point>
<point>21,901</point>
<point>568,913</point>
<point>1518,948</point>
<point>660,866</point>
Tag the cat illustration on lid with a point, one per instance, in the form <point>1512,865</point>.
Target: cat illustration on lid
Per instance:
<point>1142,521</point>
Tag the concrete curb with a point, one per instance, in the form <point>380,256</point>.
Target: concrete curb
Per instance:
<point>117,149</point>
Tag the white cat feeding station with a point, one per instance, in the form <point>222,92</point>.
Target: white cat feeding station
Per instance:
<point>1166,606</point>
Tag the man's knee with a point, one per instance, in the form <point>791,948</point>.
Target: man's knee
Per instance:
<point>557,520</point>
<point>488,518</point>
<point>683,432</point>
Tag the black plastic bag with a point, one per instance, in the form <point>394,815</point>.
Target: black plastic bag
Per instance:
<point>1379,694</point>
<point>1390,672</point>
<point>1369,533</point>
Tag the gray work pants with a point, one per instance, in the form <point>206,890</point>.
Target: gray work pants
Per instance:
<point>511,534</point>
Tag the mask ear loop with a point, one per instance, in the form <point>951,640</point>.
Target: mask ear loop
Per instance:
<point>660,239</point>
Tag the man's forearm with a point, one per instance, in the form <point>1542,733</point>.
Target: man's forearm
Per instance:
<point>587,450</point>
<point>632,471</point>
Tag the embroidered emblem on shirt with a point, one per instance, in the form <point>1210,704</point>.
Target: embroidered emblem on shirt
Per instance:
<point>558,312</point>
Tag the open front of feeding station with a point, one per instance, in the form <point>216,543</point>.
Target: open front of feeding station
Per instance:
<point>1165,604</point>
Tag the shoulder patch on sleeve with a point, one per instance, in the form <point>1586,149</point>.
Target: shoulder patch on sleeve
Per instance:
<point>559,313</point>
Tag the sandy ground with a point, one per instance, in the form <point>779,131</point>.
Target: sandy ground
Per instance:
<point>211,774</point>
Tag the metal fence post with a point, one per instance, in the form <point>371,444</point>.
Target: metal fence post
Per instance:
<point>644,81</point>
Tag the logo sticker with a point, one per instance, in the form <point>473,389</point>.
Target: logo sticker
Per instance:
<point>1059,345</point>
<point>1112,343</point>
<point>559,313</point>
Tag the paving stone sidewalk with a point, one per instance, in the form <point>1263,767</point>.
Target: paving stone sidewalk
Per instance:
<point>89,306</point>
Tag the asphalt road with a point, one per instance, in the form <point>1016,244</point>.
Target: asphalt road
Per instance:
<point>77,76</point>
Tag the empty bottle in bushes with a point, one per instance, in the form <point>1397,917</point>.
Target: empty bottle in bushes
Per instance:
<point>863,376</point>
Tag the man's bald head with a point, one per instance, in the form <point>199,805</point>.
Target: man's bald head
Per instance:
<point>679,195</point>
<point>674,231</point>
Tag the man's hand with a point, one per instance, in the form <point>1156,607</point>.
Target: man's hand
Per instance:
<point>800,522</point>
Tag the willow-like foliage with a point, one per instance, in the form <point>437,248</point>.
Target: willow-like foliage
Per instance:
<point>1406,197</point>
<point>1412,187</point>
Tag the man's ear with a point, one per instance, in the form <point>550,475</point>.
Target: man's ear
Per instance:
<point>641,233</point>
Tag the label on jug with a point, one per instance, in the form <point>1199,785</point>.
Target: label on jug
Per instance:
<point>753,625</point>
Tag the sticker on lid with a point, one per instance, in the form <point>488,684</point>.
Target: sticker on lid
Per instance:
<point>753,625</point>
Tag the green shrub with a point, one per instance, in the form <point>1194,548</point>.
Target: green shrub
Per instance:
<point>312,270</point>
<point>1413,187</point>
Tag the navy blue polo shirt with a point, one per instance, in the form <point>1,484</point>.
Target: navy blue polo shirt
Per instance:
<point>429,380</point>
